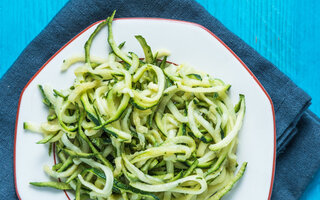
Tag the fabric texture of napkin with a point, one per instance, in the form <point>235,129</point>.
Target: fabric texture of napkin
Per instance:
<point>297,131</point>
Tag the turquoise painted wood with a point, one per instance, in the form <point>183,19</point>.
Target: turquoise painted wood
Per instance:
<point>286,32</point>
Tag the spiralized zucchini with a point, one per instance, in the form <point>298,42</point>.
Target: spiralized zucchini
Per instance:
<point>141,129</point>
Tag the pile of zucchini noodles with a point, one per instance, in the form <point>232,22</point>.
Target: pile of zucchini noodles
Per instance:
<point>141,129</point>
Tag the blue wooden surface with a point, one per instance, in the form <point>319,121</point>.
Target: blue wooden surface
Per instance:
<point>286,32</point>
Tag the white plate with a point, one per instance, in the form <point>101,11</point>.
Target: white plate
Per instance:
<point>189,43</point>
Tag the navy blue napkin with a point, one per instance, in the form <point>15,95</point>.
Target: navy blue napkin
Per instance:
<point>297,130</point>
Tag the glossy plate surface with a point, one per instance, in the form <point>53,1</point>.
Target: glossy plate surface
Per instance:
<point>188,43</point>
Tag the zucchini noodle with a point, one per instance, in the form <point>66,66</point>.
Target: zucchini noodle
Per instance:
<point>140,129</point>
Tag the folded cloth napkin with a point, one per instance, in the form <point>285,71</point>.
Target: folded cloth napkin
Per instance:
<point>290,102</point>
<point>300,160</point>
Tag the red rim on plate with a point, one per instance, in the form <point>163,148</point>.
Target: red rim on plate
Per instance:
<point>142,18</point>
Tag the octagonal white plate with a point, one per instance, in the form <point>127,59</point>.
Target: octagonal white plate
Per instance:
<point>189,43</point>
